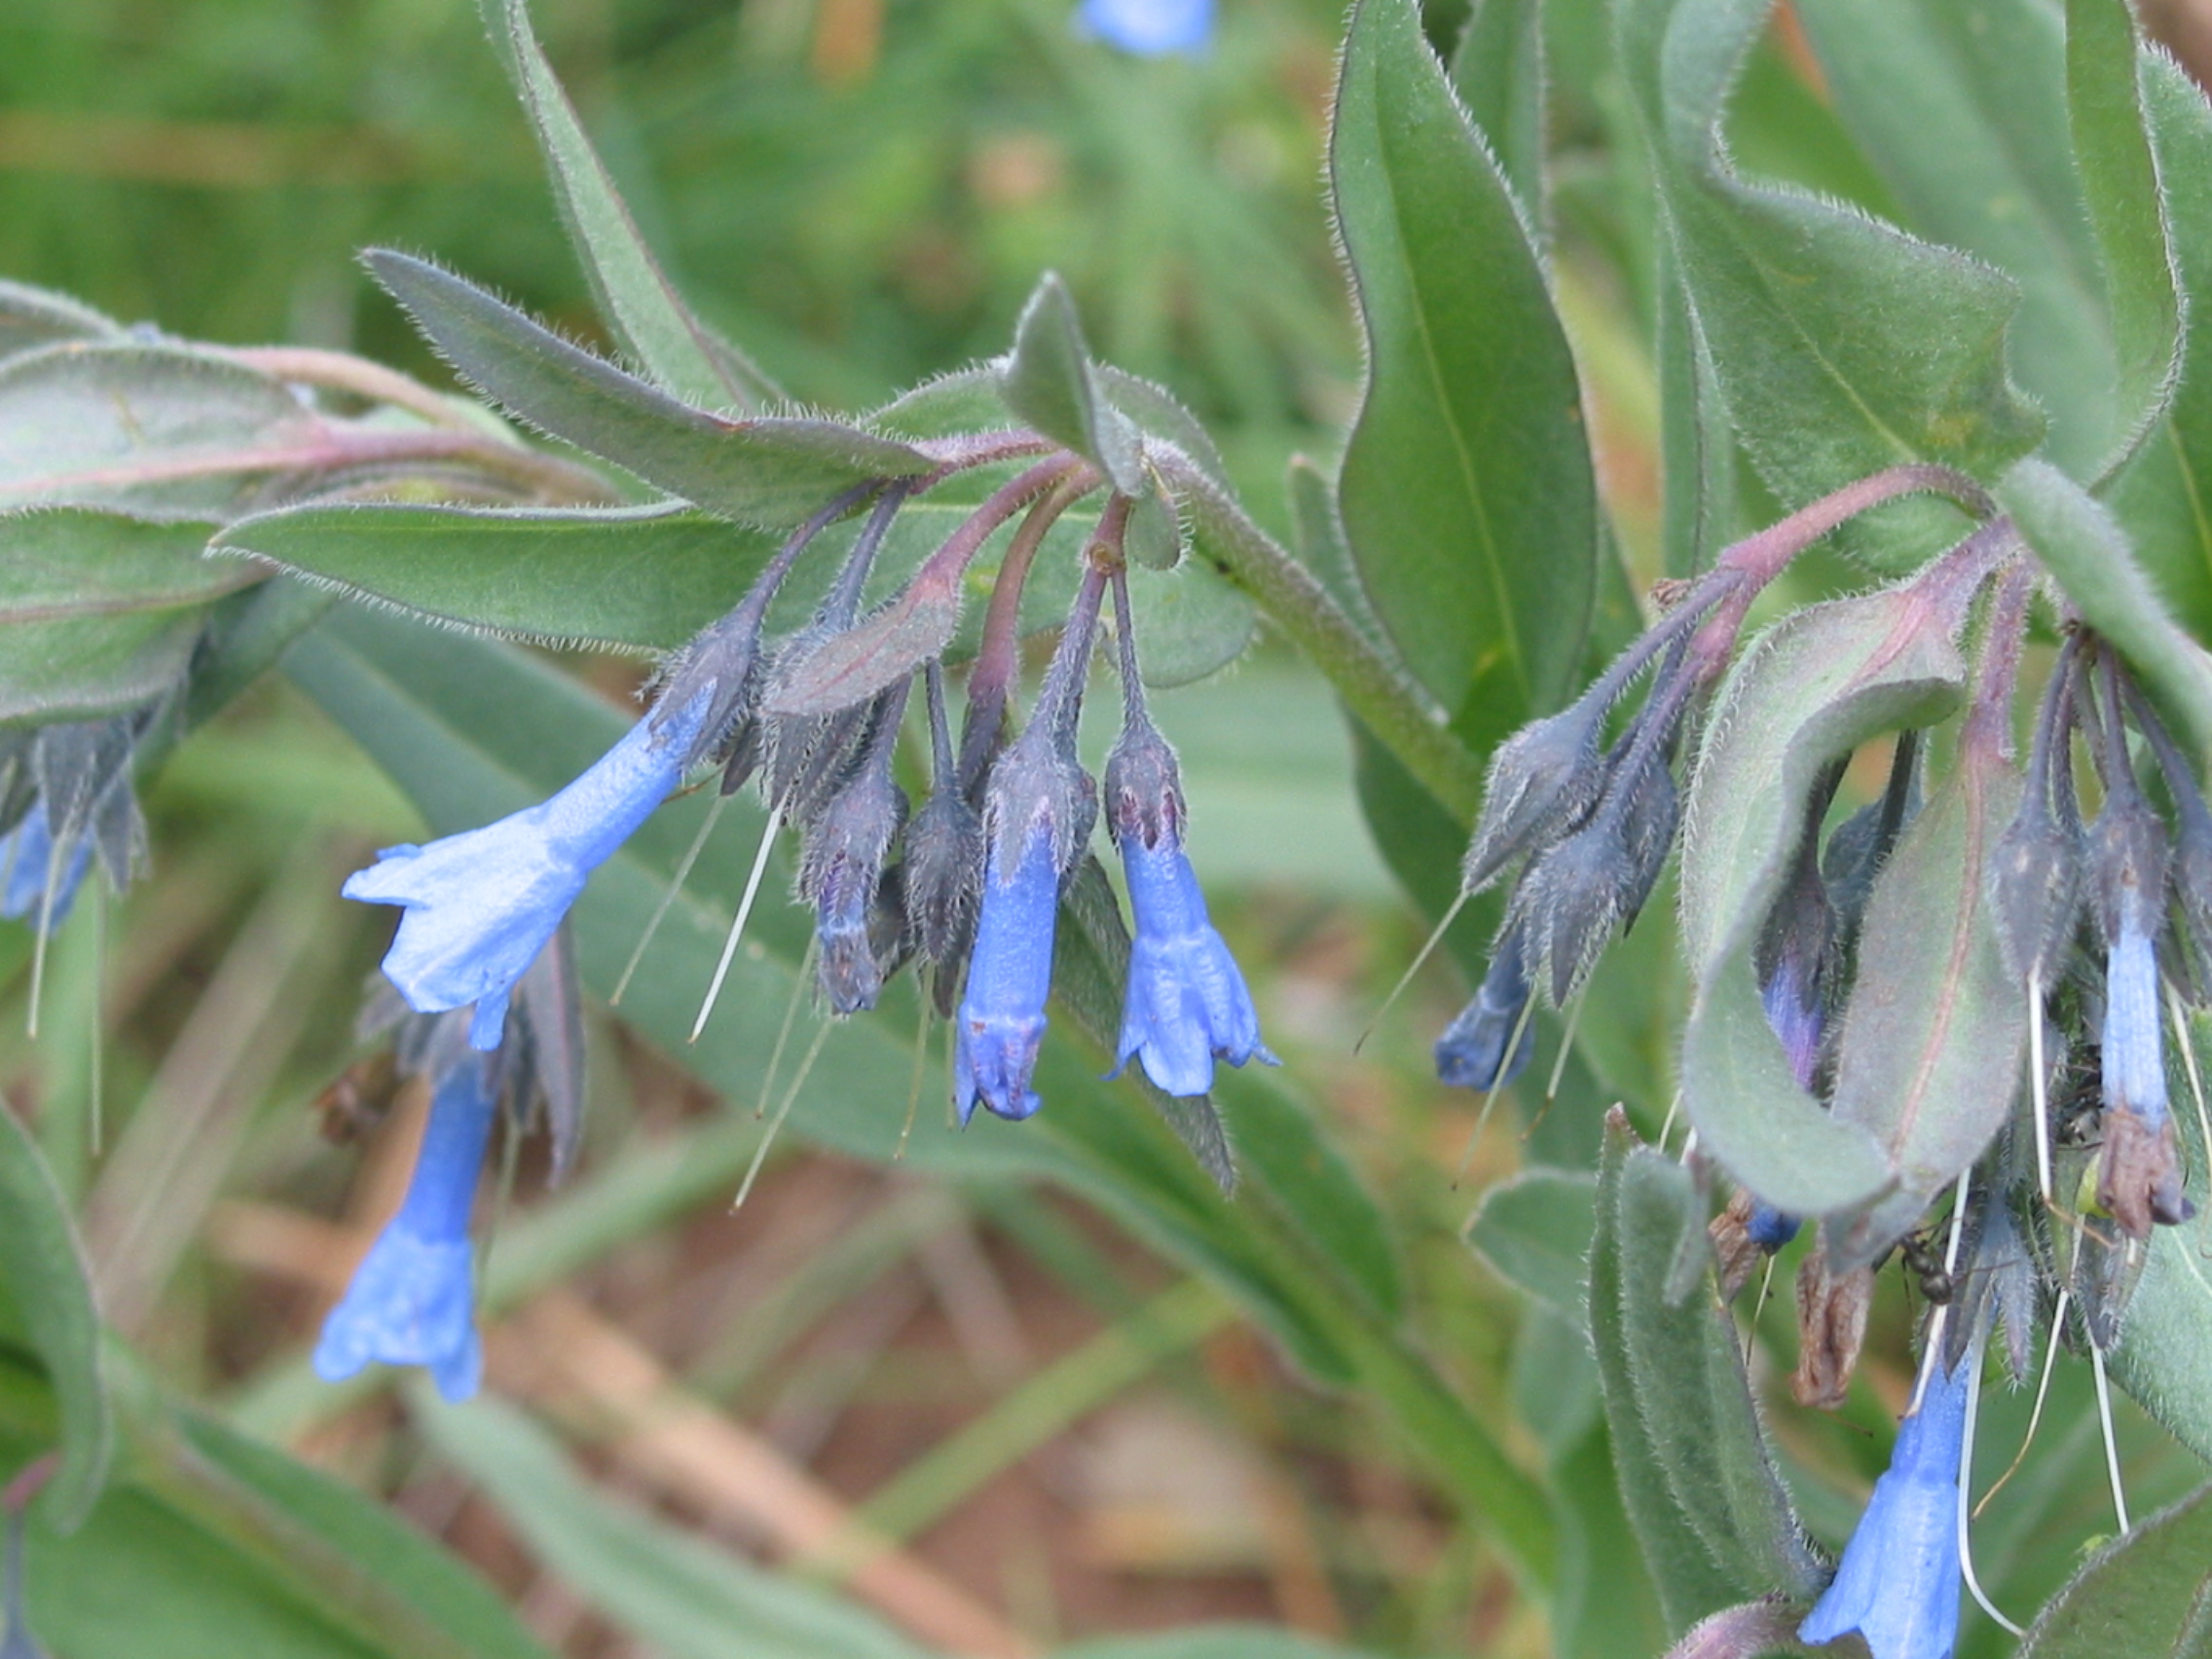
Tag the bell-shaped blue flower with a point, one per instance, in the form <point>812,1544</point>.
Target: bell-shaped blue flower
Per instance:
<point>481,904</point>
<point>1187,1002</point>
<point>1001,1021</point>
<point>1898,1585</point>
<point>27,862</point>
<point>1149,28</point>
<point>412,1300</point>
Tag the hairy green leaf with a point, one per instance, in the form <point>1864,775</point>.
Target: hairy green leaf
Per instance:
<point>2165,495</point>
<point>2119,185</point>
<point>2144,1593</point>
<point>71,563</point>
<point>1046,380</point>
<point>1810,690</point>
<point>771,472</point>
<point>1499,69</point>
<point>2086,549</point>
<point>31,317</point>
<point>1968,126</point>
<point>1466,489</point>
<point>1929,1062</point>
<point>638,304</point>
<point>161,432</point>
<point>1841,344</point>
<point>1534,1231</point>
<point>1696,1478</point>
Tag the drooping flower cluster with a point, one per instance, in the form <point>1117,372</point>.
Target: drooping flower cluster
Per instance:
<point>968,885</point>
<point>1973,973</point>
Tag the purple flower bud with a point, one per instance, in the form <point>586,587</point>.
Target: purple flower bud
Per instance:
<point>412,1300</point>
<point>1472,1053</point>
<point>842,867</point>
<point>1898,1584</point>
<point>1148,28</point>
<point>944,867</point>
<point>481,904</point>
<point>1002,1012</point>
<point>28,864</point>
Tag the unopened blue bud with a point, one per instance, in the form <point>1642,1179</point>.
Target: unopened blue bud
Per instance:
<point>412,1300</point>
<point>1898,1584</point>
<point>1768,1228</point>
<point>1472,1051</point>
<point>481,904</point>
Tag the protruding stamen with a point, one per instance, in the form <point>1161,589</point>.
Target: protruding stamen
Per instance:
<point>668,899</point>
<point>737,923</point>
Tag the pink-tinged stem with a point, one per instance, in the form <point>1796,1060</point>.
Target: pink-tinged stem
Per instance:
<point>330,451</point>
<point>342,371</point>
<point>1762,557</point>
<point>1989,726</point>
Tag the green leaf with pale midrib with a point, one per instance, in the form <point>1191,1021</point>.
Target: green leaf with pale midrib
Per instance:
<point>1466,489</point>
<point>1841,344</point>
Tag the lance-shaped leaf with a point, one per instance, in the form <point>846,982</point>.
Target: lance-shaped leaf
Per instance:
<point>44,1270</point>
<point>74,562</point>
<point>1466,489</point>
<point>1046,380</point>
<point>2141,1592</point>
<point>2085,548</point>
<point>1842,344</point>
<point>1499,69</point>
<point>1968,128</point>
<point>2119,185</point>
<point>768,473</point>
<point>1696,1477</point>
<point>2160,497</point>
<point>636,301</point>
<point>160,430</point>
<point>635,578</point>
<point>31,317</point>
<point>1811,689</point>
<point>1929,1062</point>
<point>98,612</point>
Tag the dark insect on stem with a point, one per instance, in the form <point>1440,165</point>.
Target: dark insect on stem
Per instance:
<point>1925,1262</point>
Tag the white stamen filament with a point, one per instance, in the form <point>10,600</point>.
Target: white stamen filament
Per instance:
<point>737,925</point>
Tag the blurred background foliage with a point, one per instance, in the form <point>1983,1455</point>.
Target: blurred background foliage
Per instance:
<point>862,191</point>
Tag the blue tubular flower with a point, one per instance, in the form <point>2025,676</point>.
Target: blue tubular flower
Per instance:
<point>26,860</point>
<point>1149,28</point>
<point>2133,1058</point>
<point>481,904</point>
<point>412,1300</point>
<point>1898,1585</point>
<point>1187,1003</point>
<point>1009,973</point>
<point>1037,813</point>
